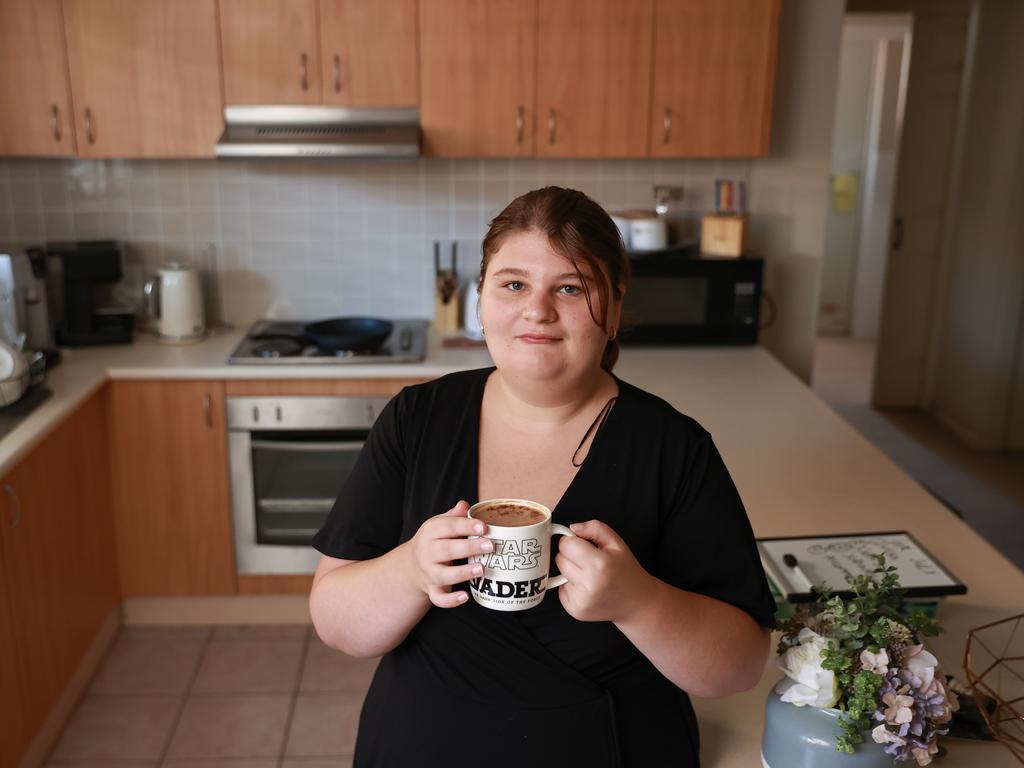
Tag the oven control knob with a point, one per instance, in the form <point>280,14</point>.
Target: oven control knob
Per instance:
<point>369,413</point>
<point>255,413</point>
<point>278,414</point>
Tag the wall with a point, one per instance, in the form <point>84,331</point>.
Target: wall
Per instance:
<point>311,238</point>
<point>789,189</point>
<point>979,377</point>
<point>318,238</point>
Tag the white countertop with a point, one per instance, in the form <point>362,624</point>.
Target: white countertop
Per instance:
<point>799,467</point>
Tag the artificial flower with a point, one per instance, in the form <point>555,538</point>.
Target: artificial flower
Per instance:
<point>898,706</point>
<point>882,735</point>
<point>924,755</point>
<point>875,662</point>
<point>920,663</point>
<point>808,682</point>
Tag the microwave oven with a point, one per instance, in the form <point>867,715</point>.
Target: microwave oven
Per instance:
<point>676,298</point>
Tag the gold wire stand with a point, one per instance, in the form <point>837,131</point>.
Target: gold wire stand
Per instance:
<point>994,664</point>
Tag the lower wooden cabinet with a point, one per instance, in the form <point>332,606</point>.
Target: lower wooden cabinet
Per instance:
<point>13,736</point>
<point>59,568</point>
<point>169,469</point>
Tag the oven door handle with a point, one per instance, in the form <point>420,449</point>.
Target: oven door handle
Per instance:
<point>310,447</point>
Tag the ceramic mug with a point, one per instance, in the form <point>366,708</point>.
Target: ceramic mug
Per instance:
<point>515,573</point>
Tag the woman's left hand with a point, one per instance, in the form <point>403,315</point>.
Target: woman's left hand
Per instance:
<point>605,580</point>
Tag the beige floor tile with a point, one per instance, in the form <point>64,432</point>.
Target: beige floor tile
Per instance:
<point>317,762</point>
<point>250,666</point>
<point>102,764</point>
<point>241,762</point>
<point>118,728</point>
<point>326,669</point>
<point>216,726</point>
<point>270,632</point>
<point>145,661</point>
<point>324,724</point>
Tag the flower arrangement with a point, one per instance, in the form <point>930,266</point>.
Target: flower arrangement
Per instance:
<point>864,656</point>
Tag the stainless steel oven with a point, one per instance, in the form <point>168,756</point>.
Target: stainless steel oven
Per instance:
<point>289,457</point>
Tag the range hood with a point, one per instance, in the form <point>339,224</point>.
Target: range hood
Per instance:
<point>280,131</point>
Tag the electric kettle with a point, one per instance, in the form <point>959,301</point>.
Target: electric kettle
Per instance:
<point>174,299</point>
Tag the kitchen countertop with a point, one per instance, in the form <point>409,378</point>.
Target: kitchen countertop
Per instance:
<point>799,467</point>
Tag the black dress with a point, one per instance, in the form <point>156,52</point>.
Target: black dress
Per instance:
<point>472,686</point>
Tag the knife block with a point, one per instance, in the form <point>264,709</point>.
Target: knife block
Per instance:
<point>446,313</point>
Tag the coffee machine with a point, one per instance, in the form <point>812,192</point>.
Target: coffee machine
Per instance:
<point>81,277</point>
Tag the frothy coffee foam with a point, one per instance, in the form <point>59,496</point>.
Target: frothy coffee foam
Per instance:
<point>509,515</point>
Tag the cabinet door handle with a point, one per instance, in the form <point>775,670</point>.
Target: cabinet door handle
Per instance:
<point>551,125</point>
<point>208,410</point>
<point>520,122</point>
<point>667,122</point>
<point>55,122</point>
<point>304,71</point>
<point>337,73</point>
<point>89,135</point>
<point>17,505</point>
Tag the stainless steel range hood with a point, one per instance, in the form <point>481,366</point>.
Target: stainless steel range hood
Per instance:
<point>319,132</point>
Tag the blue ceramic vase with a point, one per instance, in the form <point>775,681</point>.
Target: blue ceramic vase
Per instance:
<point>805,737</point>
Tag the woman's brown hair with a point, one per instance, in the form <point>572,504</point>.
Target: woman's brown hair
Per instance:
<point>578,229</point>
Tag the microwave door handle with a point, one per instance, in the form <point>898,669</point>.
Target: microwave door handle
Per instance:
<point>309,447</point>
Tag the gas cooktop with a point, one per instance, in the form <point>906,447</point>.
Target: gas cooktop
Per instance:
<point>286,342</point>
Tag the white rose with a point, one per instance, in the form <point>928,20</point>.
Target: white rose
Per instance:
<point>807,682</point>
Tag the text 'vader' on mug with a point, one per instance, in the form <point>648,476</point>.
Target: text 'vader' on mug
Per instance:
<point>515,574</point>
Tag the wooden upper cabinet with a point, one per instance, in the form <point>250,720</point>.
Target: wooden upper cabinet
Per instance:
<point>35,104</point>
<point>714,67</point>
<point>168,460</point>
<point>477,74</point>
<point>271,51</point>
<point>145,77</point>
<point>593,77</point>
<point>368,52</point>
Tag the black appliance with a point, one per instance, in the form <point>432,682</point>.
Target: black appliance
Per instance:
<point>81,277</point>
<point>678,298</point>
<point>339,340</point>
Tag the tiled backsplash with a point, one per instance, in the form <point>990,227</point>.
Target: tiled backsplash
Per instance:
<point>311,237</point>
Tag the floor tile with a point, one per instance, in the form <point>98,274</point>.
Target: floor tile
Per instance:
<point>326,669</point>
<point>250,666</point>
<point>317,762</point>
<point>259,632</point>
<point>144,661</point>
<point>102,764</point>
<point>118,728</point>
<point>215,726</point>
<point>324,724</point>
<point>240,762</point>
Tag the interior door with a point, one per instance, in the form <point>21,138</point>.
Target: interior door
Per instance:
<point>369,53</point>
<point>477,71</point>
<point>271,51</point>
<point>594,77</point>
<point>714,67</point>
<point>145,77</point>
<point>35,103</point>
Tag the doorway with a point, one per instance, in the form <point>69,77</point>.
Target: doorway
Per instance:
<point>870,99</point>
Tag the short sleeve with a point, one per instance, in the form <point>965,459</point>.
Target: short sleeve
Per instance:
<point>366,519</point>
<point>707,543</point>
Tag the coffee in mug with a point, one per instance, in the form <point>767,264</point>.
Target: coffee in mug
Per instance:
<point>515,573</point>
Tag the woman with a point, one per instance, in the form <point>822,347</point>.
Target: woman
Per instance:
<point>665,592</point>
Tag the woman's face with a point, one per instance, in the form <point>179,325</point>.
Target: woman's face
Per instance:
<point>535,315</point>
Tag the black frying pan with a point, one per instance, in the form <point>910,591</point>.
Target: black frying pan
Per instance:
<point>355,333</point>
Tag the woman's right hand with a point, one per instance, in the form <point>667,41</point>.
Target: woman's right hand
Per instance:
<point>438,542</point>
